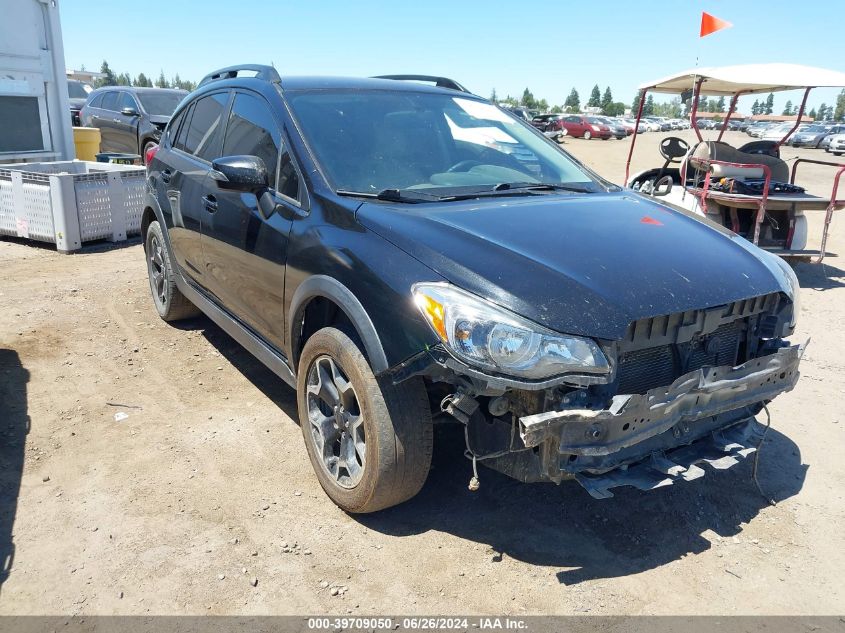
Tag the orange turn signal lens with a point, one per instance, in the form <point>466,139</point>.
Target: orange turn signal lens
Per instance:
<point>433,310</point>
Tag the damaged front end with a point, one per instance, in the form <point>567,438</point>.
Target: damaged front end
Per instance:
<point>680,390</point>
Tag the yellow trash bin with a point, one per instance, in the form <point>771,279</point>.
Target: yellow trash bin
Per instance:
<point>87,142</point>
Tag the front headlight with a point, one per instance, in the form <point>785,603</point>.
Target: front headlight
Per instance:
<point>492,338</point>
<point>596,128</point>
<point>791,286</point>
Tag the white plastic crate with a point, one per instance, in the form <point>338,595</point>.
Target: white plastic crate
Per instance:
<point>71,202</point>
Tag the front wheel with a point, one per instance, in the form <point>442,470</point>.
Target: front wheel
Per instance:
<point>588,135</point>
<point>369,441</point>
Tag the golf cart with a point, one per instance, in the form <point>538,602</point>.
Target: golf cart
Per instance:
<point>749,189</point>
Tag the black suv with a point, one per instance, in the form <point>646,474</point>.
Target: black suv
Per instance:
<point>131,120</point>
<point>399,252</point>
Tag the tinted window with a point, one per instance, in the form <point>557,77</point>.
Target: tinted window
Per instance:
<point>126,101</point>
<point>161,103</point>
<point>202,137</point>
<point>252,131</point>
<point>97,101</point>
<point>109,101</point>
<point>76,90</point>
<point>183,130</point>
<point>288,181</point>
<point>173,127</point>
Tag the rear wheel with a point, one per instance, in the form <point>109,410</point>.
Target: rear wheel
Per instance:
<point>369,441</point>
<point>588,135</point>
<point>169,301</point>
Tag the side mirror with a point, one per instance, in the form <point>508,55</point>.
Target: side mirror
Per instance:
<point>241,173</point>
<point>129,112</point>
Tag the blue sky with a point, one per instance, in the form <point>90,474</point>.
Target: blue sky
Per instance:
<point>548,46</point>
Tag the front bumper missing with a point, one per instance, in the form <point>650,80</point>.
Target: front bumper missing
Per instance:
<point>720,450</point>
<point>635,432</point>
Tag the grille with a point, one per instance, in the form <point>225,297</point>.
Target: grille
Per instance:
<point>646,369</point>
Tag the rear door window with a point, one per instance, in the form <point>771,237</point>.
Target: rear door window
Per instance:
<point>180,140</point>
<point>110,101</point>
<point>252,130</point>
<point>203,138</point>
<point>96,102</point>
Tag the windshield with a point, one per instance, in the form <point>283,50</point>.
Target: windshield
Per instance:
<point>78,90</point>
<point>160,103</point>
<point>814,128</point>
<point>375,141</point>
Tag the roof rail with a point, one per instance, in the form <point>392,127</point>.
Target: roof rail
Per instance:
<point>440,82</point>
<point>268,73</point>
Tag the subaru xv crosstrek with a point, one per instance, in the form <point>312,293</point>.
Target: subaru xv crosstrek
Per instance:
<point>400,252</point>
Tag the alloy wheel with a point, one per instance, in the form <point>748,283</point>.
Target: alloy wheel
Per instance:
<point>155,263</point>
<point>337,425</point>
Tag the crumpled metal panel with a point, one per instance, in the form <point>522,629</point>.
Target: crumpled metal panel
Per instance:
<point>630,419</point>
<point>720,450</point>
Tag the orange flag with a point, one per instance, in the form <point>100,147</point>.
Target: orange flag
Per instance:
<point>711,24</point>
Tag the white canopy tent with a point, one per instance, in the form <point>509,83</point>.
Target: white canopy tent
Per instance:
<point>748,79</point>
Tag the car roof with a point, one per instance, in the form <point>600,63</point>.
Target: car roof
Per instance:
<point>139,89</point>
<point>359,83</point>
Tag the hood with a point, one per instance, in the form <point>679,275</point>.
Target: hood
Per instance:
<point>580,264</point>
<point>76,104</point>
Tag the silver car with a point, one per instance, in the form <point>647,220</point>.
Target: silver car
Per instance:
<point>837,145</point>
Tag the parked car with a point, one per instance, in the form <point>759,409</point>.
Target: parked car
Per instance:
<point>77,92</point>
<point>130,119</point>
<point>543,121</point>
<point>580,125</point>
<point>391,272</point>
<point>617,130</point>
<point>832,131</point>
<point>836,145</point>
<point>810,136</point>
<point>522,113</point>
<point>776,132</point>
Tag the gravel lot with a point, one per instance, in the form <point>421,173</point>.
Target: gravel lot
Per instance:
<point>202,499</point>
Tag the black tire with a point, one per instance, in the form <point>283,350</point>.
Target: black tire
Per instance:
<point>170,303</point>
<point>396,423</point>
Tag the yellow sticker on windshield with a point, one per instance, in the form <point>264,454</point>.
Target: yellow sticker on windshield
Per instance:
<point>481,110</point>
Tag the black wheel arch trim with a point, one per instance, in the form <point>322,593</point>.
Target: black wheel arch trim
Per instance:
<point>330,288</point>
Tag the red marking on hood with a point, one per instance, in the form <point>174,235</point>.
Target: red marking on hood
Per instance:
<point>647,220</point>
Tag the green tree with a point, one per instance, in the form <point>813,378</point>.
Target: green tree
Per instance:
<point>720,104</point>
<point>573,102</point>
<point>109,78</point>
<point>813,114</point>
<point>161,82</point>
<point>617,108</point>
<point>543,105</point>
<point>595,98</point>
<point>557,109</point>
<point>606,100</point>
<point>635,104</point>
<point>648,108</point>
<point>142,81</point>
<point>755,108</point>
<point>770,103</point>
<point>787,109</point>
<point>822,111</point>
<point>839,111</point>
<point>528,99</point>
<point>493,96</point>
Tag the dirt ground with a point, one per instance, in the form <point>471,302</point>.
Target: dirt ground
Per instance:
<point>206,487</point>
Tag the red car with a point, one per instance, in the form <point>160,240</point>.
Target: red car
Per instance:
<point>585,126</point>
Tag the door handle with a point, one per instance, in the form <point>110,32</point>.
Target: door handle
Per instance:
<point>165,176</point>
<point>210,203</point>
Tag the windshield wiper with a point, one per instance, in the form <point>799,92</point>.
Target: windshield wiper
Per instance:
<point>391,195</point>
<point>517,189</point>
